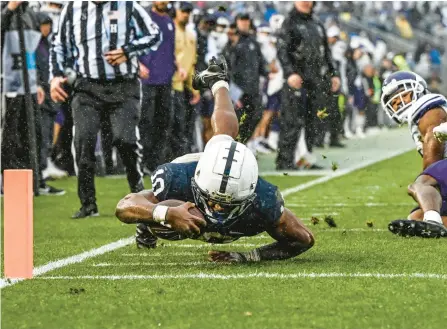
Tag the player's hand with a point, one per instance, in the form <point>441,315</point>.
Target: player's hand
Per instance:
<point>295,81</point>
<point>115,57</point>
<point>40,95</point>
<point>57,92</point>
<point>182,73</point>
<point>183,222</point>
<point>226,257</point>
<point>13,5</point>
<point>335,84</point>
<point>195,99</point>
<point>143,71</point>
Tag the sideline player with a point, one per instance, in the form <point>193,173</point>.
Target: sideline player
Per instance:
<point>406,98</point>
<point>224,185</point>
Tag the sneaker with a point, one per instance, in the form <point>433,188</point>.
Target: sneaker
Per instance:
<point>144,238</point>
<point>216,71</point>
<point>50,190</point>
<point>52,171</point>
<point>260,148</point>
<point>423,229</point>
<point>86,211</point>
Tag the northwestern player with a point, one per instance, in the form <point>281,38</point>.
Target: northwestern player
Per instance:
<point>406,98</point>
<point>223,183</point>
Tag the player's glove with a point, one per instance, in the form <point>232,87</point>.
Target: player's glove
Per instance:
<point>231,257</point>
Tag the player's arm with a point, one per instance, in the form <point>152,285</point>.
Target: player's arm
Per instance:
<point>433,149</point>
<point>292,238</point>
<point>142,207</point>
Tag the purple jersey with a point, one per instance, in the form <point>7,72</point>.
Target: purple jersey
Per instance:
<point>438,171</point>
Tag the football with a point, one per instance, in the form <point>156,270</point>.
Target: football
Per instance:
<point>175,203</point>
<point>167,233</point>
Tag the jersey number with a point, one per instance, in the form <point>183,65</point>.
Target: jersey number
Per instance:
<point>158,183</point>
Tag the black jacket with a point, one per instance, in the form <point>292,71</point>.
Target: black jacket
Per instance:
<point>303,48</point>
<point>246,64</point>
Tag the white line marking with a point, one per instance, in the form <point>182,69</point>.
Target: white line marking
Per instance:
<point>331,230</point>
<point>303,173</point>
<point>251,275</point>
<point>208,245</point>
<point>343,205</point>
<point>343,172</point>
<point>157,254</point>
<point>151,264</point>
<point>125,242</point>
<point>72,260</point>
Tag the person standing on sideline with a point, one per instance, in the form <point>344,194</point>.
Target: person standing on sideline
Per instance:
<point>104,39</point>
<point>306,60</point>
<point>186,57</point>
<point>16,141</point>
<point>156,72</point>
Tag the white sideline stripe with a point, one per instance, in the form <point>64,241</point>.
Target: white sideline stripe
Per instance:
<point>71,260</point>
<point>251,275</point>
<point>152,264</point>
<point>125,242</point>
<point>343,172</point>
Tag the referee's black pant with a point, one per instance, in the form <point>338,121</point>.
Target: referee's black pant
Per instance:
<point>299,110</point>
<point>120,100</point>
<point>156,117</point>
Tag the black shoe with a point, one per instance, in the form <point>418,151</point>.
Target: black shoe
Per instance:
<point>424,229</point>
<point>144,238</point>
<point>337,144</point>
<point>86,211</point>
<point>216,71</point>
<point>50,190</point>
<point>313,167</point>
<point>286,167</point>
<point>137,188</point>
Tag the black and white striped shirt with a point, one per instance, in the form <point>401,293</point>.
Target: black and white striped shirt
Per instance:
<point>89,29</point>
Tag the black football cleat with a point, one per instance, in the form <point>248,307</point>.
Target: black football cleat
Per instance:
<point>409,228</point>
<point>144,238</point>
<point>216,71</point>
<point>86,211</point>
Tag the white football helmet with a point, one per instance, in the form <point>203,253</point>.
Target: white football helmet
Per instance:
<point>395,86</point>
<point>225,180</point>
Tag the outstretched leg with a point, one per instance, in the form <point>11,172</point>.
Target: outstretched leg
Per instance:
<point>429,191</point>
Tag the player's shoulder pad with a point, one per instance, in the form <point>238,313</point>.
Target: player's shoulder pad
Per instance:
<point>269,202</point>
<point>425,104</point>
<point>173,180</point>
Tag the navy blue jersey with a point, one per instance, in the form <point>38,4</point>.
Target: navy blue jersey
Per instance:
<point>173,181</point>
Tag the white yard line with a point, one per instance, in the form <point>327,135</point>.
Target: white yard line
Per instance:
<point>251,275</point>
<point>38,271</point>
<point>324,205</point>
<point>51,266</point>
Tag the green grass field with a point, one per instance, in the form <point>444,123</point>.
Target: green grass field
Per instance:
<point>355,276</point>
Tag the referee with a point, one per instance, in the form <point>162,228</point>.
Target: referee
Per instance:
<point>102,40</point>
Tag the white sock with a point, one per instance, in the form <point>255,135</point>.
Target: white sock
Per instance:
<point>433,216</point>
<point>219,84</point>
